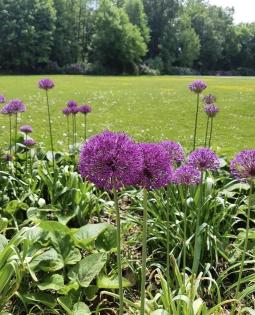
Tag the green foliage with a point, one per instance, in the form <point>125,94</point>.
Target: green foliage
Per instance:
<point>117,44</point>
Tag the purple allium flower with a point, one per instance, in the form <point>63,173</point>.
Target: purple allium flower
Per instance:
<point>211,110</point>
<point>29,142</point>
<point>46,84</point>
<point>111,160</point>
<point>6,110</point>
<point>157,171</point>
<point>15,106</point>
<point>204,159</point>
<point>26,129</point>
<point>209,99</point>
<point>174,150</point>
<point>85,109</point>
<point>2,99</point>
<point>197,86</point>
<point>243,165</point>
<point>7,157</point>
<point>74,110</point>
<point>72,104</point>
<point>66,111</point>
<point>187,175</point>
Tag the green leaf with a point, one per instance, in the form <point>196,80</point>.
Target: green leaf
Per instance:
<point>49,260</point>
<point>89,233</point>
<point>3,241</point>
<point>54,282</point>
<point>15,205</point>
<point>81,309</point>
<point>159,312</point>
<point>87,269</point>
<point>54,226</point>
<point>69,287</point>
<point>108,239</point>
<point>105,282</point>
<point>40,297</point>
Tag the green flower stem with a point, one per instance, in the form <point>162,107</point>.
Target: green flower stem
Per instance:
<point>211,130</point>
<point>195,130</point>
<point>198,239</point>
<point>75,133</point>
<point>10,134</point>
<point>85,127</point>
<point>15,138</point>
<point>168,244</point>
<point>73,139</point>
<point>206,132</point>
<point>26,155</point>
<point>68,134</point>
<point>185,233</point>
<point>245,244</point>
<point>144,250</point>
<point>118,250</point>
<point>50,129</point>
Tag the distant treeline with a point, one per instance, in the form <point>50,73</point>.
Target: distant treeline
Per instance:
<point>123,36</point>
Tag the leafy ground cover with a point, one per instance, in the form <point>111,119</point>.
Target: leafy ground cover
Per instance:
<point>148,108</point>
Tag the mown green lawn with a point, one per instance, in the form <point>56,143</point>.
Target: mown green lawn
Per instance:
<point>149,108</point>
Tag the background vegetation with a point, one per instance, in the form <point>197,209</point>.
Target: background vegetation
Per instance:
<point>123,36</point>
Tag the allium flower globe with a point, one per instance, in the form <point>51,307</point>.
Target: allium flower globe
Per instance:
<point>74,110</point>
<point>157,171</point>
<point>15,106</point>
<point>204,159</point>
<point>26,129</point>
<point>66,111</point>
<point>46,84</point>
<point>72,104</point>
<point>243,165</point>
<point>2,99</point>
<point>85,109</point>
<point>29,142</point>
<point>6,110</point>
<point>186,175</point>
<point>197,86</point>
<point>111,160</point>
<point>174,150</point>
<point>209,99</point>
<point>211,110</point>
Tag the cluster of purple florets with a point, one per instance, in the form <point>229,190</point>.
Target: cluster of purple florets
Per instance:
<point>113,160</point>
<point>15,106</point>
<point>197,86</point>
<point>73,108</point>
<point>243,165</point>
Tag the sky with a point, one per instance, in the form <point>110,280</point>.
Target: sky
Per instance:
<point>244,9</point>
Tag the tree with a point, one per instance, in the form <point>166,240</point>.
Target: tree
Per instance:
<point>188,43</point>
<point>137,16</point>
<point>27,28</point>
<point>117,44</point>
<point>161,18</point>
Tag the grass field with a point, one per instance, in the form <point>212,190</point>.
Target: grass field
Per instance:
<point>149,108</point>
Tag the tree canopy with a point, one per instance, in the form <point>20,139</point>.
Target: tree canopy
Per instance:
<point>120,35</point>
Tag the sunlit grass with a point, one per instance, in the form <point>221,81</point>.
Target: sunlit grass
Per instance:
<point>149,108</point>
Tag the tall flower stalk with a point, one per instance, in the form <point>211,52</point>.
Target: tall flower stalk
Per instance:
<point>203,160</point>
<point>85,109</point>
<point>197,87</point>
<point>211,110</point>
<point>14,107</point>
<point>66,111</point>
<point>156,173</point>
<point>26,129</point>
<point>47,84</point>
<point>118,223</point>
<point>112,161</point>
<point>73,110</point>
<point>243,168</point>
<point>186,176</point>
